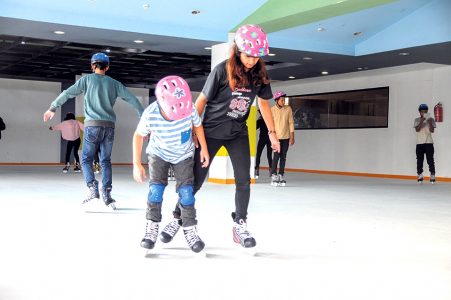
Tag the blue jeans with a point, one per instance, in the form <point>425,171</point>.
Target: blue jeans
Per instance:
<point>97,137</point>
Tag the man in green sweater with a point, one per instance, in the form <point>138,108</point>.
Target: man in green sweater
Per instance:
<point>100,94</point>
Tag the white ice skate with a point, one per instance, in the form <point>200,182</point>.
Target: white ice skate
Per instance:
<point>150,236</point>
<point>432,179</point>
<point>194,241</point>
<point>420,178</point>
<point>282,181</point>
<point>243,237</point>
<point>274,180</point>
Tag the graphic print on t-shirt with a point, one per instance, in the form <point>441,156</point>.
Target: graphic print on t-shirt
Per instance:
<point>240,104</point>
<point>185,136</point>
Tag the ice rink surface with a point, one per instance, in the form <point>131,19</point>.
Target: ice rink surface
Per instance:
<point>320,237</point>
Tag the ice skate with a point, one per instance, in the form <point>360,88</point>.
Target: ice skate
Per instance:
<point>171,176</point>
<point>96,168</point>
<point>93,197</point>
<point>170,230</point>
<point>77,168</point>
<point>193,239</point>
<point>256,173</point>
<point>282,181</point>
<point>274,180</point>
<point>432,179</point>
<point>420,178</point>
<point>107,200</point>
<point>66,168</point>
<point>243,237</point>
<point>150,237</point>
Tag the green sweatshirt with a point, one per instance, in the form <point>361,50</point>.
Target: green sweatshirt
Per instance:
<point>101,92</point>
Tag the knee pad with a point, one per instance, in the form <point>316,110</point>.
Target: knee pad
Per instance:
<point>156,193</point>
<point>186,195</point>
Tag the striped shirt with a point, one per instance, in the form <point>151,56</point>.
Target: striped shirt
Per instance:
<point>170,140</point>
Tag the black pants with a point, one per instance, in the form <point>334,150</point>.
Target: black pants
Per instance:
<point>262,143</point>
<point>284,144</point>
<point>239,154</point>
<point>75,145</point>
<point>427,149</point>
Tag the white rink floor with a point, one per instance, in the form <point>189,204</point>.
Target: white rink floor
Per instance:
<point>321,237</point>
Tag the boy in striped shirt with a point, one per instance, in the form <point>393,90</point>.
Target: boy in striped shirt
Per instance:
<point>170,121</point>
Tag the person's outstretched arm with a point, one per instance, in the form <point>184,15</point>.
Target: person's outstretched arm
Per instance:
<point>127,96</point>
<point>73,91</point>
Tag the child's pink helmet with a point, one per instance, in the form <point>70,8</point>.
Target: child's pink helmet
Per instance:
<point>174,97</point>
<point>251,39</point>
<point>279,94</point>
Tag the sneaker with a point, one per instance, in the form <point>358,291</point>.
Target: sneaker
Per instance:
<point>150,237</point>
<point>242,236</point>
<point>432,179</point>
<point>256,173</point>
<point>193,239</point>
<point>77,168</point>
<point>420,178</point>
<point>106,197</point>
<point>170,230</point>
<point>93,193</point>
<point>66,168</point>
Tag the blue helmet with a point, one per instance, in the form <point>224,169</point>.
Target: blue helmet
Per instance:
<point>100,58</point>
<point>423,107</point>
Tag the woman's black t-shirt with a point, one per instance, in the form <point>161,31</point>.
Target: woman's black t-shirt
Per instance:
<point>226,111</point>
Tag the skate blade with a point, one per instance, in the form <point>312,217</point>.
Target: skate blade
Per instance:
<point>250,251</point>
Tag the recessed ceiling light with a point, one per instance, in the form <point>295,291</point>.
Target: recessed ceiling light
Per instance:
<point>306,58</point>
<point>107,50</point>
<point>271,54</point>
<point>404,53</point>
<point>22,42</point>
<point>138,41</point>
<point>324,73</point>
<point>359,68</point>
<point>207,48</point>
<point>195,12</point>
<point>319,29</point>
<point>146,6</point>
<point>291,77</point>
<point>58,32</point>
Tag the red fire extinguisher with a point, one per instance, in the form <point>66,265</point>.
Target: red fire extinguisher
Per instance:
<point>438,112</point>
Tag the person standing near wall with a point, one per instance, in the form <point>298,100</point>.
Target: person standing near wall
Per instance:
<point>284,124</point>
<point>425,126</point>
<point>263,141</point>
<point>70,131</point>
<point>100,94</point>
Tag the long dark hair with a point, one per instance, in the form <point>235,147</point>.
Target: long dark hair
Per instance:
<point>237,76</point>
<point>69,116</point>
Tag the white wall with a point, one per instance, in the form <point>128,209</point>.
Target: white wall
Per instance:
<point>27,138</point>
<point>381,150</point>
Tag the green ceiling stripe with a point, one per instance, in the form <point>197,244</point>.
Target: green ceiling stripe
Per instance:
<point>277,15</point>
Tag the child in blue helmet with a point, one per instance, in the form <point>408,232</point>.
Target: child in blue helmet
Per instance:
<point>425,126</point>
<point>100,94</point>
<point>169,121</point>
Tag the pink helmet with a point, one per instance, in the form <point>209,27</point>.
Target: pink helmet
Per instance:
<point>251,39</point>
<point>174,97</point>
<point>279,94</point>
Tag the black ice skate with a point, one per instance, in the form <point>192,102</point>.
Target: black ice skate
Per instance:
<point>66,168</point>
<point>106,197</point>
<point>282,181</point>
<point>77,168</point>
<point>93,197</point>
<point>432,179</point>
<point>150,237</point>
<point>420,178</point>
<point>193,239</point>
<point>256,173</point>
<point>170,230</point>
<point>241,235</point>
<point>274,180</point>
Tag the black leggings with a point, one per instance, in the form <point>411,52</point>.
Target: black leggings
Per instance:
<point>75,145</point>
<point>421,150</point>
<point>284,144</point>
<point>239,154</point>
<point>262,142</point>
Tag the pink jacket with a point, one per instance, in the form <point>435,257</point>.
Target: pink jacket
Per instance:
<point>70,129</point>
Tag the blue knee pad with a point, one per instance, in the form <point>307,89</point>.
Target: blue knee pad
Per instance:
<point>156,193</point>
<point>186,195</point>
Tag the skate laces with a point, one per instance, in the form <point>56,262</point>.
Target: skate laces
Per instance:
<point>172,227</point>
<point>191,235</point>
<point>92,194</point>
<point>151,230</point>
<point>241,230</point>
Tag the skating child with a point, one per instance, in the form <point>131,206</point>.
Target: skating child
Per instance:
<point>425,126</point>
<point>170,121</point>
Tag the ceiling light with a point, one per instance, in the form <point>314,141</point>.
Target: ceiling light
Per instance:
<point>319,29</point>
<point>306,58</point>
<point>138,41</point>
<point>404,53</point>
<point>360,68</point>
<point>271,54</point>
<point>22,42</point>
<point>107,50</point>
<point>195,12</point>
<point>324,73</point>
<point>58,32</point>
<point>291,77</point>
<point>146,6</point>
<point>207,48</point>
